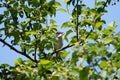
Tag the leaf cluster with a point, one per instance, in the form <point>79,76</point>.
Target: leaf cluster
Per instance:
<point>30,28</point>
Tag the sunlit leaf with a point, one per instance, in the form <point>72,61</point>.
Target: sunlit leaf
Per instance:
<point>64,53</point>
<point>100,3</point>
<point>31,33</point>
<point>103,73</point>
<point>116,64</point>
<point>67,1</point>
<point>24,24</point>
<point>29,67</point>
<point>61,10</point>
<point>44,61</point>
<point>86,22</point>
<point>111,26</point>
<point>98,25</point>
<point>93,35</point>
<point>66,34</point>
<point>118,73</point>
<point>57,4</point>
<point>68,25</point>
<point>107,40</point>
<point>98,16</point>
<point>52,21</point>
<point>18,61</point>
<point>104,64</point>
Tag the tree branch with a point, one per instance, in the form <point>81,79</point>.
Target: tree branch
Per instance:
<point>35,52</point>
<point>14,49</point>
<point>105,4</point>
<point>77,17</point>
<point>68,46</point>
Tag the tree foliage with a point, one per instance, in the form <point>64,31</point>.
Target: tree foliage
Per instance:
<point>30,25</point>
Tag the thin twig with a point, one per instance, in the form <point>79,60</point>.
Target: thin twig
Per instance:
<point>77,17</point>
<point>105,4</point>
<point>35,52</point>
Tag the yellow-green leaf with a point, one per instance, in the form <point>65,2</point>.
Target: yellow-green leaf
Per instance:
<point>61,10</point>
<point>86,22</point>
<point>52,21</point>
<point>57,4</point>
<point>101,3</point>
<point>107,40</point>
<point>103,64</point>
<point>67,1</point>
<point>98,25</point>
<point>31,33</point>
<point>18,61</point>
<point>44,61</point>
<point>111,26</point>
<point>64,53</point>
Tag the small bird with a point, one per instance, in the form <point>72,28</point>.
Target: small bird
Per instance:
<point>59,42</point>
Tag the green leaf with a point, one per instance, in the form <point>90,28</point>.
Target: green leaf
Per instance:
<point>23,24</point>
<point>100,3</point>
<point>98,16</point>
<point>84,73</point>
<point>52,21</point>
<point>118,73</point>
<point>18,61</point>
<point>66,34</point>
<point>107,32</point>
<point>6,13</point>
<point>116,64</point>
<point>86,22</point>
<point>4,65</point>
<point>104,64</point>
<point>53,28</point>
<point>57,4</point>
<point>61,10</point>
<point>1,17</point>
<point>55,78</point>
<point>67,1</point>
<point>93,36</point>
<point>98,25</point>
<point>64,53</point>
<point>31,33</point>
<point>112,26</point>
<point>53,40</point>
<point>21,14</point>
<point>116,60</point>
<point>107,40</point>
<point>103,73</point>
<point>27,9</point>
<point>73,39</point>
<point>102,51</point>
<point>68,25</point>
<point>44,61</point>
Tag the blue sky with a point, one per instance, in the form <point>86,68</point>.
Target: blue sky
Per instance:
<point>8,56</point>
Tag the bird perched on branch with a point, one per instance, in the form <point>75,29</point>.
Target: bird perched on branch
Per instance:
<point>59,42</point>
